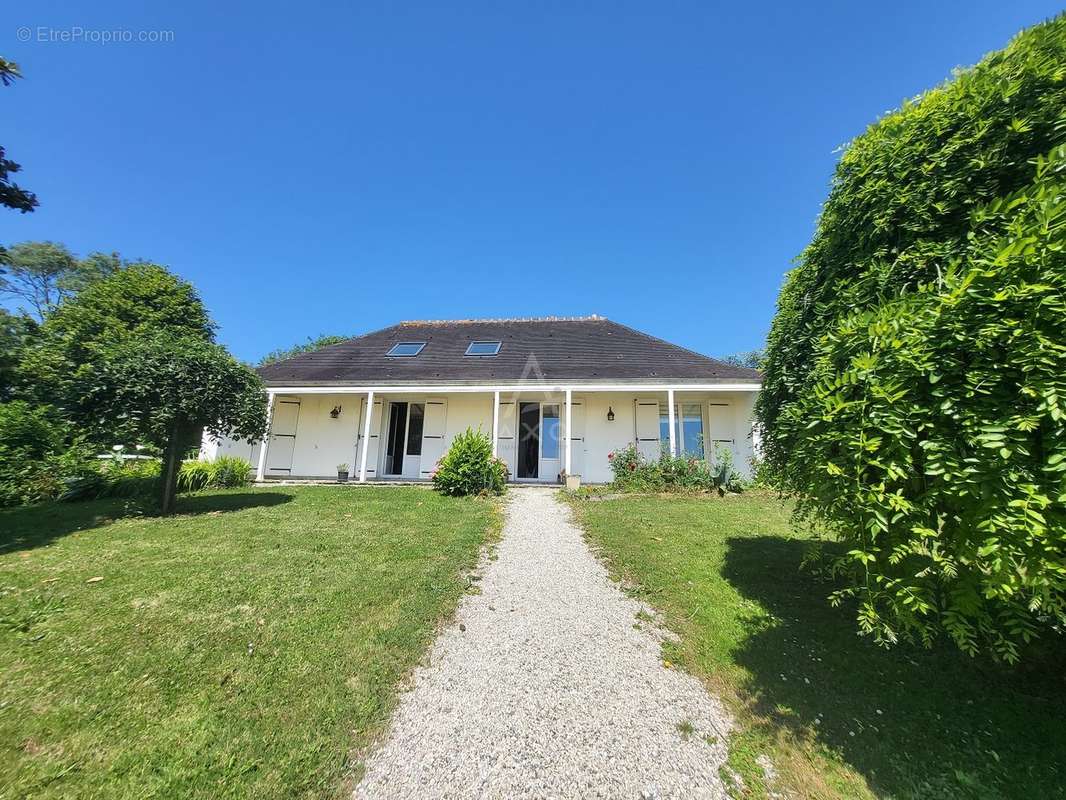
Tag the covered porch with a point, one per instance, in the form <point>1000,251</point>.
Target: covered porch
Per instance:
<point>543,433</point>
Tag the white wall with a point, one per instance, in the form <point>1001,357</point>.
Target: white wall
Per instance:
<point>323,442</point>
<point>603,437</point>
<point>210,449</point>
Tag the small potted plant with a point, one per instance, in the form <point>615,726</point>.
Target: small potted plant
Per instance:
<point>342,473</point>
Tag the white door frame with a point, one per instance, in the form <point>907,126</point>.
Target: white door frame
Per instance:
<point>404,455</point>
<point>558,441</point>
<point>508,422</point>
<point>411,464</point>
<point>558,460</point>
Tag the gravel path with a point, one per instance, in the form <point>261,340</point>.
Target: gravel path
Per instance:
<point>544,687</point>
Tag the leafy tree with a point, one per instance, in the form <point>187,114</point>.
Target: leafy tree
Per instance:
<point>11,195</point>
<point>135,302</point>
<point>317,343</point>
<point>131,358</point>
<point>914,368</point>
<point>9,71</point>
<point>15,331</point>
<point>33,272</point>
<point>89,270</point>
<point>752,359</point>
<point>42,274</point>
<point>165,390</point>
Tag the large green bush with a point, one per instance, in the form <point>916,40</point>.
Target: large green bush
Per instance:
<point>37,456</point>
<point>916,363</point>
<point>470,468</point>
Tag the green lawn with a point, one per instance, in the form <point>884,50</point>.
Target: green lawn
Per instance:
<point>839,716</point>
<point>247,647</point>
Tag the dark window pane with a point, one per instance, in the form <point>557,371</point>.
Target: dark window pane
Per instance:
<point>414,430</point>
<point>528,428</point>
<point>394,444</point>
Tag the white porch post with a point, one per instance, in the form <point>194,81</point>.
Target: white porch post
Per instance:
<point>366,435</point>
<point>670,417</point>
<point>569,398</point>
<point>260,471</point>
<point>495,422</point>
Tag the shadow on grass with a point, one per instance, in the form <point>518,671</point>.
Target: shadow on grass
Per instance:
<point>915,722</point>
<point>28,527</point>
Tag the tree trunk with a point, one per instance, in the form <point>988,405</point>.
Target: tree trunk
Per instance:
<point>168,479</point>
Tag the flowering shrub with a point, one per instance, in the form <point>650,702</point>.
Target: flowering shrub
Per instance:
<point>626,463</point>
<point>635,473</point>
<point>470,468</point>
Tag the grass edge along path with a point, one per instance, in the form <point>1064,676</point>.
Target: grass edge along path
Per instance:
<point>251,645</point>
<point>838,716</point>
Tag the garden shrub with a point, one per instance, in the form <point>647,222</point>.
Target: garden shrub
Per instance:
<point>131,478</point>
<point>914,370</point>
<point>118,477</point>
<point>229,472</point>
<point>470,468</point>
<point>634,473</point>
<point>37,455</point>
<point>140,478</point>
<point>225,472</point>
<point>194,476</point>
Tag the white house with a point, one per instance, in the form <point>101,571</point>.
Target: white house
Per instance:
<point>555,395</point>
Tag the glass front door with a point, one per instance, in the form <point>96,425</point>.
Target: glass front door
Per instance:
<point>528,440</point>
<point>540,441</point>
<point>403,445</point>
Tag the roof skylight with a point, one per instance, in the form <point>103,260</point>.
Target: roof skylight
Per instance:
<point>483,348</point>
<point>406,349</point>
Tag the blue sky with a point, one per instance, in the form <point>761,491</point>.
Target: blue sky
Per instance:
<point>332,168</point>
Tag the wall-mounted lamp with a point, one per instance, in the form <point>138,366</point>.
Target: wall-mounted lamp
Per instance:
<point>336,412</point>
<point>610,414</point>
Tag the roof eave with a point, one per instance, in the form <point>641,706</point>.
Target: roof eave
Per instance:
<point>570,382</point>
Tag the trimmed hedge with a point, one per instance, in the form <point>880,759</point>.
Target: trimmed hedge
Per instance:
<point>914,369</point>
